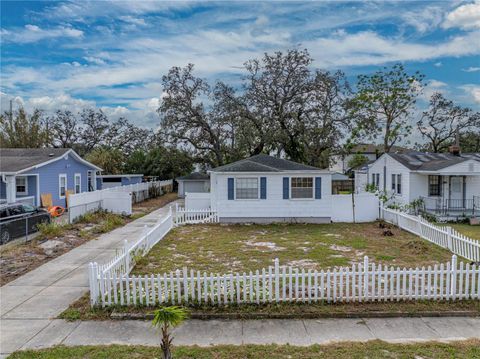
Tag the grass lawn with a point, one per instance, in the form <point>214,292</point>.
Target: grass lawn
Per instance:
<point>237,248</point>
<point>372,349</point>
<point>468,230</point>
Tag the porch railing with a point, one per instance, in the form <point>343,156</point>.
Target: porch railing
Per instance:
<point>445,206</point>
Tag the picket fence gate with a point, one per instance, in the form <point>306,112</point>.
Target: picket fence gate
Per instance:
<point>194,216</point>
<point>446,237</point>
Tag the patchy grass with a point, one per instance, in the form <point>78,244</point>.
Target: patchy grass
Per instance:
<point>81,310</point>
<point>51,230</point>
<point>238,248</point>
<point>468,230</point>
<point>346,350</point>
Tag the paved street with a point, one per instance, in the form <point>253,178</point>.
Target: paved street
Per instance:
<point>28,303</point>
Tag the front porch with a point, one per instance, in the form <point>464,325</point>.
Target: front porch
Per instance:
<point>22,188</point>
<point>452,196</point>
<point>452,208</point>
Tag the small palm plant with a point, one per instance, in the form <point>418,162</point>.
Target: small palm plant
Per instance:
<point>164,319</point>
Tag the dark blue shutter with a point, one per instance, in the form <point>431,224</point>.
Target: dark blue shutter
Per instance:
<point>263,187</point>
<point>230,188</point>
<point>285,187</point>
<point>318,187</point>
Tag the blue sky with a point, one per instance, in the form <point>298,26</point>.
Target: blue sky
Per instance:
<point>75,54</point>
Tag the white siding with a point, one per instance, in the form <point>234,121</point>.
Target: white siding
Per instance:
<point>473,186</point>
<point>392,167</point>
<point>464,168</point>
<point>274,206</point>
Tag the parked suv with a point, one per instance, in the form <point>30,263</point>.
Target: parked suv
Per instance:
<point>18,219</point>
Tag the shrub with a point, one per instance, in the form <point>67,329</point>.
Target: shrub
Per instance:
<point>50,230</point>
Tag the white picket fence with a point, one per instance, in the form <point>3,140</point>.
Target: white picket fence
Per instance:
<point>444,236</point>
<point>194,216</point>
<point>359,283</point>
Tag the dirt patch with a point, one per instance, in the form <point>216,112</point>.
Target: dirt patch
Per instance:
<point>416,247</point>
<point>340,248</point>
<point>303,263</point>
<point>21,258</point>
<point>264,246</point>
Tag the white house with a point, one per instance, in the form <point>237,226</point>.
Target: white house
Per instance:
<point>448,183</point>
<point>265,189</point>
<point>340,162</point>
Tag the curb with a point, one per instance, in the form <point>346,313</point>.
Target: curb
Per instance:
<point>249,316</point>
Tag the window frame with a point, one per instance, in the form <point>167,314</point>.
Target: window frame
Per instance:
<point>438,184</point>
<point>396,185</point>
<point>79,176</point>
<point>22,193</point>
<point>60,176</point>
<point>246,178</point>
<point>302,198</point>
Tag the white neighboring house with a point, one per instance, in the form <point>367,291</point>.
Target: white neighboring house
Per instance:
<point>339,163</point>
<point>448,183</point>
<point>195,182</point>
<point>264,189</point>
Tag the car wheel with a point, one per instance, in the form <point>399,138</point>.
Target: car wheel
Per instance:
<point>4,236</point>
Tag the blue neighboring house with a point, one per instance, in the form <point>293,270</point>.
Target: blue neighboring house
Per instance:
<point>26,173</point>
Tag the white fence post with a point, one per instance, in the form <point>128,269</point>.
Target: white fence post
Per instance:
<point>449,238</point>
<point>277,281</point>
<point>365,277</point>
<point>453,279</point>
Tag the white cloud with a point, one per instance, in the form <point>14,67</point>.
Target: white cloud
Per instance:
<point>425,19</point>
<point>33,33</point>
<point>471,69</point>
<point>94,60</point>
<point>432,87</point>
<point>438,64</point>
<point>473,91</point>
<point>465,17</point>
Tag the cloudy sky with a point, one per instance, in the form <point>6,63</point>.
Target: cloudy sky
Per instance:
<point>74,54</point>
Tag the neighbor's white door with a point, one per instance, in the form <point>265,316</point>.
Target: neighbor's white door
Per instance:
<point>456,188</point>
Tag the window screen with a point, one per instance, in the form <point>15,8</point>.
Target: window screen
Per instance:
<point>302,187</point>
<point>247,188</point>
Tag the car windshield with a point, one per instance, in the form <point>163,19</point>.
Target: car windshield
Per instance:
<point>14,211</point>
<point>28,208</point>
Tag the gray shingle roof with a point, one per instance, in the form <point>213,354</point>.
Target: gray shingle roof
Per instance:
<point>17,159</point>
<point>264,163</point>
<point>424,161</point>
<point>195,176</point>
<point>370,148</point>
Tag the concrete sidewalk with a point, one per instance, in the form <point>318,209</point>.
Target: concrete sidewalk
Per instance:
<point>237,332</point>
<point>28,303</point>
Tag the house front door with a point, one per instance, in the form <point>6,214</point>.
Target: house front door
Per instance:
<point>456,191</point>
